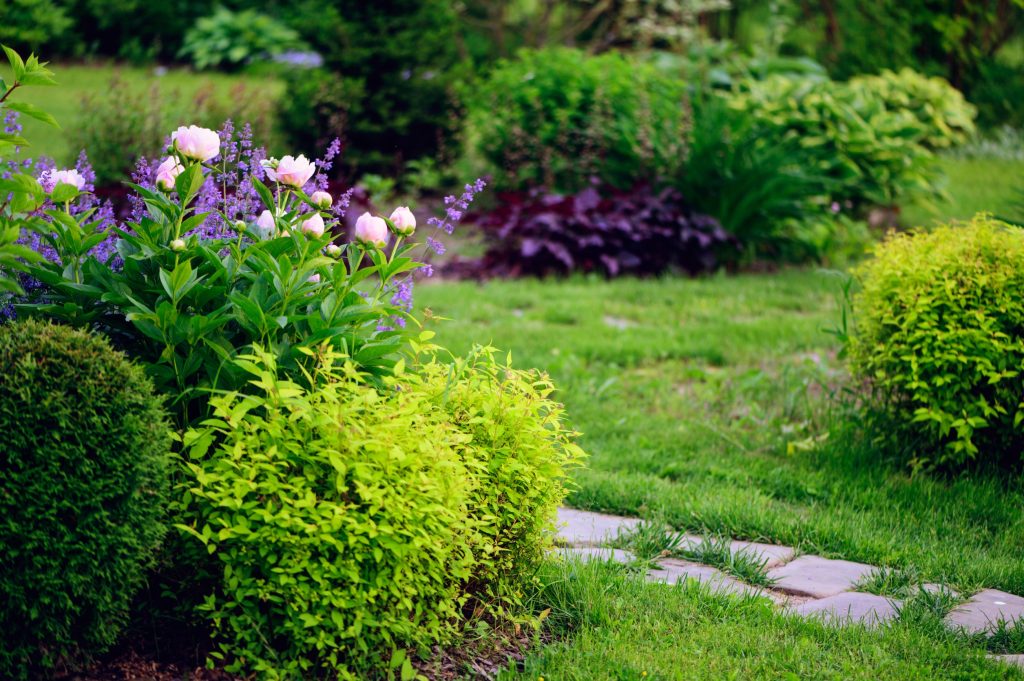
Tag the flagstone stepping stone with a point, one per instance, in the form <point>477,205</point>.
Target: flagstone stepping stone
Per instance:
<point>985,609</point>
<point>939,588</point>
<point>771,555</point>
<point>672,571</point>
<point>583,528</point>
<point>1017,660</point>
<point>818,577</point>
<point>589,553</point>
<point>850,606</point>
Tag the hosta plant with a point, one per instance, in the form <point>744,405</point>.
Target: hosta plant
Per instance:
<point>871,153</point>
<point>946,118</point>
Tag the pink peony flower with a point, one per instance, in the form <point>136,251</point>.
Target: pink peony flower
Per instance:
<point>314,226</point>
<point>199,144</point>
<point>52,178</point>
<point>404,221</point>
<point>293,172</point>
<point>167,172</point>
<point>371,231</point>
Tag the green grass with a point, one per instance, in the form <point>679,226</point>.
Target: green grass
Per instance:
<point>178,86</point>
<point>974,185</point>
<point>623,629</point>
<point>716,405</point>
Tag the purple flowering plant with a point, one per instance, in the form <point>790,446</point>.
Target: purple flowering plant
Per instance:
<point>227,250</point>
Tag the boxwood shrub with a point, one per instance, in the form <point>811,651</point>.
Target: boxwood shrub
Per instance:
<point>351,522</point>
<point>940,337</point>
<point>83,476</point>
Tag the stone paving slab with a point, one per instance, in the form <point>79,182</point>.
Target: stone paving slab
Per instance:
<point>672,571</point>
<point>1017,660</point>
<point>850,606</point>
<point>583,528</point>
<point>818,577</point>
<point>772,555</point>
<point>939,588</point>
<point>985,609</point>
<point>589,553</point>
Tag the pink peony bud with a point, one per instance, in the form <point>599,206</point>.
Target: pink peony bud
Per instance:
<point>294,172</point>
<point>333,250</point>
<point>404,221</point>
<point>371,231</point>
<point>314,279</point>
<point>322,199</point>
<point>266,222</point>
<point>52,178</point>
<point>167,172</point>
<point>199,144</point>
<point>314,226</point>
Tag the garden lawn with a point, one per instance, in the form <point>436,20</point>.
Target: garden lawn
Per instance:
<point>706,403</point>
<point>177,87</point>
<point>974,185</point>
<point>624,629</point>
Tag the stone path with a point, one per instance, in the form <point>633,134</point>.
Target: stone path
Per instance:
<point>808,586</point>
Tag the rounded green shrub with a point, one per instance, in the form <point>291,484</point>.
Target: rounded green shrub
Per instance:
<point>558,117</point>
<point>349,521</point>
<point>940,338</point>
<point>83,472</point>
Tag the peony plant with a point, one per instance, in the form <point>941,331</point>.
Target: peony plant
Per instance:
<point>227,249</point>
<point>21,195</point>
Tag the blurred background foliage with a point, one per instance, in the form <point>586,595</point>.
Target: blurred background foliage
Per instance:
<point>791,122</point>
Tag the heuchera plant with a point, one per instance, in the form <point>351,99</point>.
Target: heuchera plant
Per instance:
<point>196,276</point>
<point>642,231</point>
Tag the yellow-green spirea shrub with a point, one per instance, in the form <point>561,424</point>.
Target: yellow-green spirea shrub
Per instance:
<point>519,451</point>
<point>940,337</point>
<point>84,474</point>
<point>350,521</point>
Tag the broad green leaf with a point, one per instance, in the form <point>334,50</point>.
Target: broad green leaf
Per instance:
<point>33,111</point>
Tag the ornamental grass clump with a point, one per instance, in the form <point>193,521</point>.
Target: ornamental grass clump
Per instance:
<point>83,482</point>
<point>940,339</point>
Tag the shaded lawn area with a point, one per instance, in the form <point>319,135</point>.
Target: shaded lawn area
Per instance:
<point>178,87</point>
<point>707,403</point>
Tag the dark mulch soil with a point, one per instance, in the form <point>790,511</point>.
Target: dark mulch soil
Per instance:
<point>182,660</point>
<point>476,660</point>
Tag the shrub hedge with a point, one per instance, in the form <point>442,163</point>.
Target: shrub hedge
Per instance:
<point>940,337</point>
<point>83,477</point>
